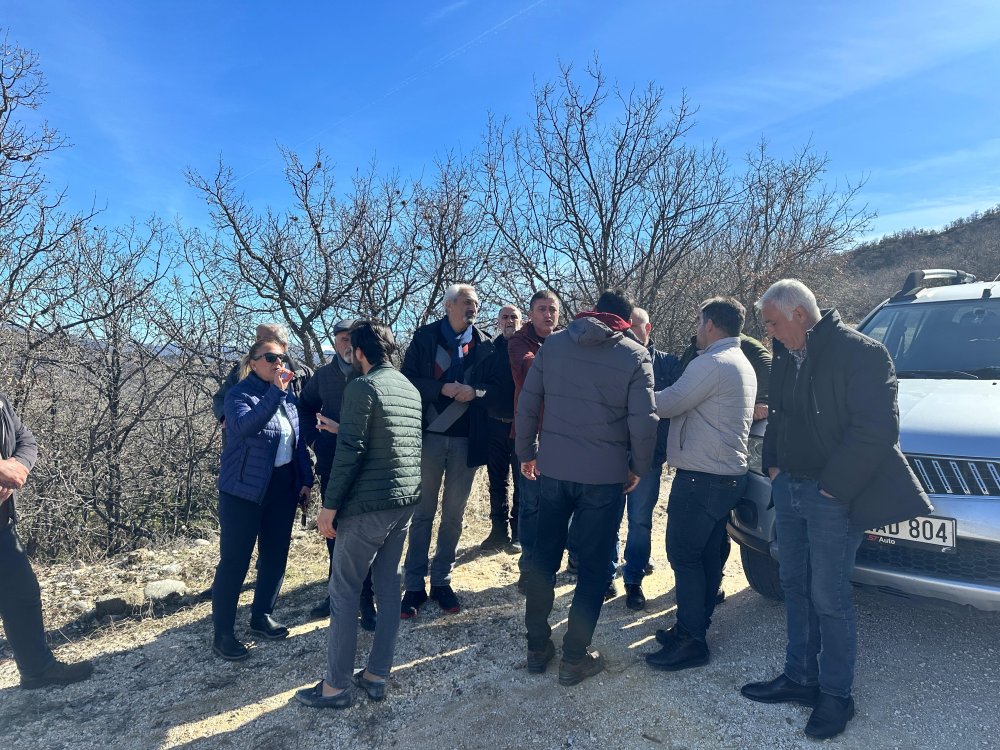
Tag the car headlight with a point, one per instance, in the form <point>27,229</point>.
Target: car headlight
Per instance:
<point>755,454</point>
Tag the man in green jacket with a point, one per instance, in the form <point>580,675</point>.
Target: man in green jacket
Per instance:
<point>374,484</point>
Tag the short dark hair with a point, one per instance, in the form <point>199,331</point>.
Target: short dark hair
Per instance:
<point>617,302</point>
<point>542,294</point>
<point>375,340</point>
<point>726,313</point>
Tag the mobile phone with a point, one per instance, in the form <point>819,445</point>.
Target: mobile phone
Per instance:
<point>286,376</point>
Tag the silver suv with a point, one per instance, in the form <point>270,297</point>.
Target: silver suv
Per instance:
<point>942,329</point>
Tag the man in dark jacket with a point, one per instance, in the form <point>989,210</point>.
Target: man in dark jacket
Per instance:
<point>832,452</point>
<point>319,409</point>
<point>374,484</point>
<point>20,598</point>
<point>501,462</point>
<point>543,319</point>
<point>596,383</point>
<point>641,501</point>
<point>447,361</point>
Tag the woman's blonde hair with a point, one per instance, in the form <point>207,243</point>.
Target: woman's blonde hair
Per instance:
<point>254,350</point>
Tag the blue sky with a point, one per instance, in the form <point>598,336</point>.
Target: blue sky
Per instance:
<point>901,93</point>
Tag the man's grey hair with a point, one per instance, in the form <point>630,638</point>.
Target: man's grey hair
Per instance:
<point>272,332</point>
<point>787,294</point>
<point>452,293</point>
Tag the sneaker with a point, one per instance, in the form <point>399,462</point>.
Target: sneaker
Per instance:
<point>321,610</point>
<point>539,660</point>
<point>229,647</point>
<point>446,599</point>
<point>497,540</point>
<point>611,592</point>
<point>411,603</point>
<point>367,613</point>
<point>59,673</point>
<point>571,673</point>
<point>634,598</point>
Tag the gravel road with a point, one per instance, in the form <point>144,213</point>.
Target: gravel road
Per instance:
<point>926,677</point>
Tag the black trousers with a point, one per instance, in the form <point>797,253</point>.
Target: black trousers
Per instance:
<point>366,587</point>
<point>21,607</point>
<point>501,461</point>
<point>243,524</point>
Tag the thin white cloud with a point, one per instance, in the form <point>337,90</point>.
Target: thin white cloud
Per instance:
<point>445,11</point>
<point>985,155</point>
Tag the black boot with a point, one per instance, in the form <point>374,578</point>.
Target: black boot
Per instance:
<point>228,647</point>
<point>368,617</point>
<point>634,598</point>
<point>830,716</point>
<point>498,538</point>
<point>59,673</point>
<point>684,653</point>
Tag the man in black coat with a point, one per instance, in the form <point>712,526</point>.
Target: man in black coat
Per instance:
<point>20,598</point>
<point>502,462</point>
<point>447,361</point>
<point>319,412</point>
<point>832,452</point>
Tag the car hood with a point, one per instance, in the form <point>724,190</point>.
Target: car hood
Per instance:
<point>950,417</point>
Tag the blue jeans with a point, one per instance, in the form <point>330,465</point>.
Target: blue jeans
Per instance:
<point>242,524</point>
<point>597,513</point>
<point>443,458</point>
<point>698,507</point>
<point>639,506</point>
<point>816,551</point>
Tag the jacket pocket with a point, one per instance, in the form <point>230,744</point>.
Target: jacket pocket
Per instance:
<point>243,464</point>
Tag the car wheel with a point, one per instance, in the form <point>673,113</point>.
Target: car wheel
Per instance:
<point>762,573</point>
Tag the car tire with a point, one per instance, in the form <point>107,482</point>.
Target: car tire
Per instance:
<point>762,573</point>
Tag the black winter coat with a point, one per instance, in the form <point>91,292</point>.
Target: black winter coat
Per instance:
<point>322,394</point>
<point>16,441</point>
<point>844,408</point>
<point>418,366</point>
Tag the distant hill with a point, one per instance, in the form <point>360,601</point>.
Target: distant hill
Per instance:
<point>861,278</point>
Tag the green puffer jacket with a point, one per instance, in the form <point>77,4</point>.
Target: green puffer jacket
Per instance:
<point>377,462</point>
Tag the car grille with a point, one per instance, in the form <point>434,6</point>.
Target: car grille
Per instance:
<point>947,475</point>
<point>973,561</point>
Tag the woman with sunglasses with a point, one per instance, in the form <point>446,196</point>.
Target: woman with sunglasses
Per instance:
<point>265,473</point>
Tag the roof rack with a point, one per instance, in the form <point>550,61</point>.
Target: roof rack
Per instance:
<point>929,277</point>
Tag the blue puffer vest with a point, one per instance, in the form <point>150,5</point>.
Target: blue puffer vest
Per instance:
<point>252,436</point>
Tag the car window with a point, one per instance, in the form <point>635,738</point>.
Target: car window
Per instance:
<point>959,339</point>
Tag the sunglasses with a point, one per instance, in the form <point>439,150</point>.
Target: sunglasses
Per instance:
<point>271,357</point>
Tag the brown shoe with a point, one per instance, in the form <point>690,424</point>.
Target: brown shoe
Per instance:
<point>571,673</point>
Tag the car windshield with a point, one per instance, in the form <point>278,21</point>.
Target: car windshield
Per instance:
<point>954,340</point>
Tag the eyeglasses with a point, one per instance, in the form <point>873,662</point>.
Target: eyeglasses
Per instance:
<point>271,357</point>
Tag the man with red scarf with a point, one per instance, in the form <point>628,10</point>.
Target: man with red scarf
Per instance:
<point>595,381</point>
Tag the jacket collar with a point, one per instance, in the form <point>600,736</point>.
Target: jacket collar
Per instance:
<point>719,345</point>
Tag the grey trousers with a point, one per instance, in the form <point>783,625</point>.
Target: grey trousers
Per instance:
<point>375,541</point>
<point>442,458</point>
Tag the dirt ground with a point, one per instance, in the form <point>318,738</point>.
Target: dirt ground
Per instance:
<point>926,678</point>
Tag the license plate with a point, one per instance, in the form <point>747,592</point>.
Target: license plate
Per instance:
<point>929,533</point>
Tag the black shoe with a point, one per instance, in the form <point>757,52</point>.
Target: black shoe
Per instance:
<point>321,610</point>
<point>611,592</point>
<point>781,690</point>
<point>375,689</point>
<point>570,673</point>
<point>446,599</point>
<point>314,698</point>
<point>539,660</point>
<point>229,648</point>
<point>497,540</point>
<point>412,600</point>
<point>720,597</point>
<point>59,673</point>
<point>267,627</point>
<point>830,716</point>
<point>571,566</point>
<point>514,548</point>
<point>367,613</point>
<point>667,637</point>
<point>648,570</point>
<point>634,598</point>
<point>684,653</point>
